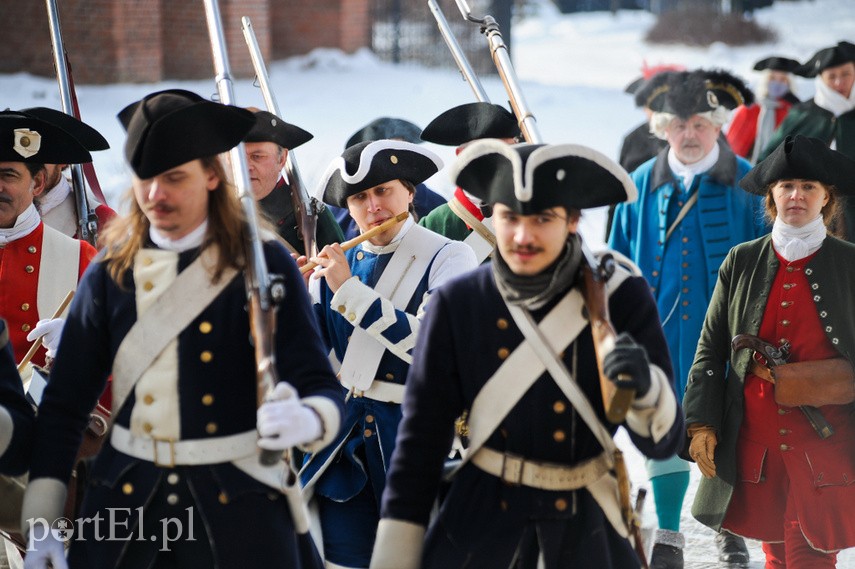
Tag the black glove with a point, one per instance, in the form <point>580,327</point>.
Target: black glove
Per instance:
<point>628,358</point>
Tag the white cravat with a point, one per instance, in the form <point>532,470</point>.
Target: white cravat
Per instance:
<point>26,223</point>
<point>54,196</point>
<point>832,101</point>
<point>794,243</point>
<point>392,246</point>
<point>687,172</point>
<point>189,241</point>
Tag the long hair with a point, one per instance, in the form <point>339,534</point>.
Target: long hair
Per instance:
<point>125,236</point>
<point>830,212</point>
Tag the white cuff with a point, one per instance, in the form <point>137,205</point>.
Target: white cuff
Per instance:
<point>44,500</point>
<point>7,426</point>
<point>353,299</point>
<point>398,545</point>
<point>330,418</point>
<point>654,414</point>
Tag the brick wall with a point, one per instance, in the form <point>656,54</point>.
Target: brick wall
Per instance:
<point>298,26</point>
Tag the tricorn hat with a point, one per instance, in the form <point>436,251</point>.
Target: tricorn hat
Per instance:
<point>843,52</point>
<point>802,158</point>
<point>529,178</point>
<point>386,128</point>
<point>168,128</point>
<point>25,138</point>
<point>776,63</point>
<point>270,128</point>
<point>469,122</point>
<point>650,71</point>
<point>689,93</point>
<point>370,164</point>
<point>88,136</point>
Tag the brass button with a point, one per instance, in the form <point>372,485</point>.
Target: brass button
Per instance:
<point>560,504</point>
<point>786,304</point>
<point>685,265</point>
<point>147,261</point>
<point>783,411</point>
<point>367,433</point>
<point>785,322</point>
<point>685,303</point>
<point>503,353</point>
<point>351,317</point>
<point>147,286</point>
<point>503,505</point>
<point>502,324</point>
<point>680,203</point>
<point>685,316</point>
<point>172,499</point>
<point>559,407</point>
<point>788,286</point>
<point>173,478</point>
<point>148,399</point>
<point>685,252</point>
<point>685,289</point>
<point>29,268</point>
<point>685,239</point>
<point>206,356</point>
<point>25,306</point>
<point>223,498</point>
<point>360,255</point>
<point>504,432</point>
<point>369,418</point>
<point>205,327</point>
<point>147,427</point>
<point>785,448</point>
<point>685,277</point>
<point>783,432</point>
<point>25,328</point>
<point>559,436</point>
<point>658,258</point>
<point>390,376</point>
<point>207,400</point>
<point>211,428</point>
<point>393,159</point>
<point>655,273</point>
<point>341,308</point>
<point>31,249</point>
<point>127,488</point>
<point>790,269</point>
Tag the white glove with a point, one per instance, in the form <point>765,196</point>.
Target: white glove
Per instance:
<point>44,549</point>
<point>50,329</point>
<point>284,422</point>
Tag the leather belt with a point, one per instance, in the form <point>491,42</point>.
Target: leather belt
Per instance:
<point>168,453</point>
<point>518,471</point>
<point>384,391</point>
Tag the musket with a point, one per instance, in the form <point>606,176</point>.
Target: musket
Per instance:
<point>305,208</point>
<point>264,291</point>
<point>457,53</point>
<point>87,222</point>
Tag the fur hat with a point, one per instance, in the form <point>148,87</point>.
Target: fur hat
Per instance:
<point>25,138</point>
<point>270,128</point>
<point>688,93</point>
<point>802,158</point>
<point>843,52</point>
<point>168,128</point>
<point>386,128</point>
<point>90,138</point>
<point>370,164</point>
<point>529,178</point>
<point>469,122</point>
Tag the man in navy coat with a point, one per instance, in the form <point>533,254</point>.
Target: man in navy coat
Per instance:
<point>16,413</point>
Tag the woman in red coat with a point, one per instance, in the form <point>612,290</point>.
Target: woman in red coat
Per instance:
<point>752,126</point>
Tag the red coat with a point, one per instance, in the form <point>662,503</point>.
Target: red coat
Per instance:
<point>743,126</point>
<point>20,266</point>
<point>778,452</point>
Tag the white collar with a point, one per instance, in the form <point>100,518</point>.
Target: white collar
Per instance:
<point>688,171</point>
<point>832,101</point>
<point>190,241</point>
<point>393,245</point>
<point>794,243</point>
<point>54,196</point>
<point>26,223</point>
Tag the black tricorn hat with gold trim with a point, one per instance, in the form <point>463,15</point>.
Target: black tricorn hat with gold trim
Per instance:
<point>168,128</point>
<point>25,138</point>
<point>529,178</point>
<point>688,93</point>
<point>369,164</point>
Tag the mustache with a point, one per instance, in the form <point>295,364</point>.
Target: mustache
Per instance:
<point>5,199</point>
<point>527,249</point>
<point>159,205</point>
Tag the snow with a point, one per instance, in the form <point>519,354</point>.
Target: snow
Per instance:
<point>572,68</point>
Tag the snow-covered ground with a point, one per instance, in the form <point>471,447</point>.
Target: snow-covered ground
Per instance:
<point>573,69</point>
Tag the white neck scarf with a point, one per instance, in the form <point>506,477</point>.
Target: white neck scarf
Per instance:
<point>794,243</point>
<point>392,246</point>
<point>687,172</point>
<point>190,241</point>
<point>26,223</point>
<point>54,196</point>
<point>832,101</point>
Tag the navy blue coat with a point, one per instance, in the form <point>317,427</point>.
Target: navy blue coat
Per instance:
<point>482,519</point>
<point>15,459</point>
<point>247,522</point>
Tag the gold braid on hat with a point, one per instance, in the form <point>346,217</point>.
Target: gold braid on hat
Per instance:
<point>729,89</point>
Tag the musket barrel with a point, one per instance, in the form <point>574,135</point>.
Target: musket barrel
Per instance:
<point>457,53</point>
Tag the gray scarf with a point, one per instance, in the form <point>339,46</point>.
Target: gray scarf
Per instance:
<point>535,291</point>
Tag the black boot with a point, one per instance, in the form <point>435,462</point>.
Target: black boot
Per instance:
<point>667,550</point>
<point>731,548</point>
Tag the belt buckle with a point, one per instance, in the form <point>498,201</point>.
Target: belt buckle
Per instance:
<point>171,443</point>
<point>514,459</point>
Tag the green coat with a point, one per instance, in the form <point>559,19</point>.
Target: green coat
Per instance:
<point>445,222</point>
<point>279,210</point>
<point>714,395</point>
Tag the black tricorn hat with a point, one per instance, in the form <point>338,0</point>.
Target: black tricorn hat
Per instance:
<point>270,128</point>
<point>802,158</point>
<point>843,52</point>
<point>90,138</point>
<point>168,128</point>
<point>634,85</point>
<point>25,138</point>
<point>529,178</point>
<point>369,164</point>
<point>689,93</point>
<point>472,121</point>
<point>386,128</point>
<point>776,63</point>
